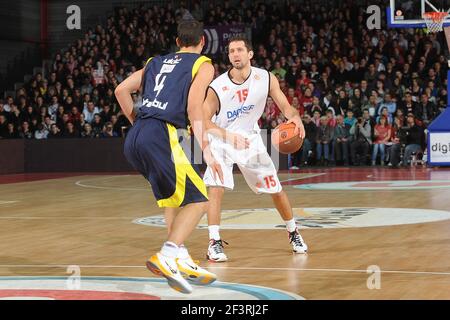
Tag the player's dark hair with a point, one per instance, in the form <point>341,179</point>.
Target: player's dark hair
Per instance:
<point>189,32</point>
<point>241,37</point>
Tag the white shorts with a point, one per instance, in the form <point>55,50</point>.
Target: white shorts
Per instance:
<point>255,164</point>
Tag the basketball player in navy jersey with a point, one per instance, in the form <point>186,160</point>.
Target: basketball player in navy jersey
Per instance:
<point>174,88</point>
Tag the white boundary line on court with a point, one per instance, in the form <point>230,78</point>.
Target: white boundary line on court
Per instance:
<point>66,218</point>
<point>233,268</point>
<point>7,202</point>
<point>311,175</point>
<point>82,183</point>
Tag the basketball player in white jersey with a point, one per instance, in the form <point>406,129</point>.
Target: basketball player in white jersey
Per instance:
<point>235,101</point>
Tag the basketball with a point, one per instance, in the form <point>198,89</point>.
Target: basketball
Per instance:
<point>285,140</point>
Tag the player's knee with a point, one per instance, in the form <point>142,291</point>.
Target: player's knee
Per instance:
<point>216,191</point>
<point>201,206</point>
<point>278,194</point>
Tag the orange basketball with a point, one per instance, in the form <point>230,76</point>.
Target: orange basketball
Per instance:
<point>284,139</point>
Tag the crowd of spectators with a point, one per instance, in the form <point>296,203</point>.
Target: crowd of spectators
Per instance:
<point>354,88</point>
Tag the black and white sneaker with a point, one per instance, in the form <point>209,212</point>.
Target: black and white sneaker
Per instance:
<point>298,245</point>
<point>215,251</point>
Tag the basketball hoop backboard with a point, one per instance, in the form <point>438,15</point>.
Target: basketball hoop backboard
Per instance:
<point>409,13</point>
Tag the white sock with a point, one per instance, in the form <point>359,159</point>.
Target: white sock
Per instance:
<point>183,252</point>
<point>214,232</point>
<point>170,249</point>
<point>290,225</point>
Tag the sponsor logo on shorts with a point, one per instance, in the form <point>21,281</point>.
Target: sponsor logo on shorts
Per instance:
<point>306,218</point>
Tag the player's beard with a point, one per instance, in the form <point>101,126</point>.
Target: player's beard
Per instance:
<point>239,65</point>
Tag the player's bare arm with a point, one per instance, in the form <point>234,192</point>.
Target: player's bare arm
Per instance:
<point>281,101</point>
<point>123,93</point>
<point>195,113</point>
<point>210,107</point>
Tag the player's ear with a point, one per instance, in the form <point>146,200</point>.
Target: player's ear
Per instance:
<point>250,54</point>
<point>202,41</point>
<point>177,41</point>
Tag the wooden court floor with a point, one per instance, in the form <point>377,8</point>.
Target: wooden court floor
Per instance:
<point>48,222</point>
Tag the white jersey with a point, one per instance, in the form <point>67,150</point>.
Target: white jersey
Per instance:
<point>241,105</point>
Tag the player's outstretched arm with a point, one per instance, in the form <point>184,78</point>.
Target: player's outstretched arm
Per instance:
<point>210,107</point>
<point>281,101</point>
<point>196,99</point>
<point>123,93</point>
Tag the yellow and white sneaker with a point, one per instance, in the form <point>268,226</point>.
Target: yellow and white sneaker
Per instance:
<point>194,273</point>
<point>167,267</point>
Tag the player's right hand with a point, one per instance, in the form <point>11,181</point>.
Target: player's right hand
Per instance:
<point>213,164</point>
<point>237,141</point>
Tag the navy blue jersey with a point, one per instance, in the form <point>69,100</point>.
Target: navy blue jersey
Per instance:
<point>166,82</point>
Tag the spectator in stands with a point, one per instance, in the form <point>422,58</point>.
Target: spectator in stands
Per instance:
<point>28,114</point>
<point>7,105</point>
<point>53,107</point>
<point>412,137</point>
<point>350,119</point>
<point>97,125</point>
<point>62,122</point>
<point>41,132</point>
<point>292,75</point>
<point>117,127</point>
<point>389,104</point>
<point>90,111</point>
<point>70,131</point>
<point>306,101</point>
<point>12,133</point>
<point>14,116</point>
<point>106,113</point>
<point>316,105</point>
<point>426,110</point>
<point>87,131</point>
<point>310,137</point>
<point>342,103</point>
<point>2,110</point>
<point>303,82</point>
<point>409,106</point>
<point>48,123</point>
<point>26,133</point>
<point>108,131</point>
<point>398,123</point>
<point>324,137</point>
<point>372,105</point>
<point>316,118</point>
<point>384,113</point>
<point>303,155</point>
<point>278,70</point>
<point>75,116</point>
<point>3,126</point>
<point>272,111</point>
<point>54,132</point>
<point>341,140</point>
<point>382,134</point>
<point>361,141</point>
<point>331,118</point>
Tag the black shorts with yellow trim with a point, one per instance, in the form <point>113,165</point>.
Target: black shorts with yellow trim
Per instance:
<point>152,147</point>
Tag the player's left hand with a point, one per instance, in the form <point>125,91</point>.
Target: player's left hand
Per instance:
<point>213,164</point>
<point>299,128</point>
